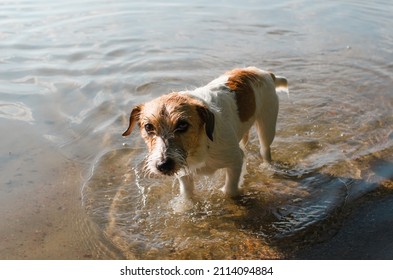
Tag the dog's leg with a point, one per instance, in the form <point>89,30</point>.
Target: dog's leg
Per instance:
<point>265,122</point>
<point>265,136</point>
<point>232,176</point>
<point>186,186</point>
<point>244,140</point>
<point>266,129</point>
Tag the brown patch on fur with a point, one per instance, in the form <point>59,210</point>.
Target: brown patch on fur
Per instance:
<point>240,82</point>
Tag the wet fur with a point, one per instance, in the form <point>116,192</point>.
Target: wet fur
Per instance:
<point>217,117</point>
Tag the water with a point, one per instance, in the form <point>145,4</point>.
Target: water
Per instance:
<point>71,71</point>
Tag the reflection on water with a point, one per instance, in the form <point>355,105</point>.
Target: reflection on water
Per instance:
<point>71,72</point>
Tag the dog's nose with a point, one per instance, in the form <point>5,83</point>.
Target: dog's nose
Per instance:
<point>166,166</point>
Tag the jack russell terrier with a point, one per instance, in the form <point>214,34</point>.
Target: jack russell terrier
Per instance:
<point>200,131</point>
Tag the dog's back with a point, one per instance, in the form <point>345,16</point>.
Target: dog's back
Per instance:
<point>240,98</point>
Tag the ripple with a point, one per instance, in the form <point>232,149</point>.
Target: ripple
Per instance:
<point>316,175</point>
<point>140,215</point>
<point>334,134</point>
<point>16,111</point>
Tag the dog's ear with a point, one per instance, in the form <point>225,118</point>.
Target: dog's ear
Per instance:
<point>208,118</point>
<point>134,118</point>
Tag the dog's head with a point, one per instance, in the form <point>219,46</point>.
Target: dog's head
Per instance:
<point>174,127</point>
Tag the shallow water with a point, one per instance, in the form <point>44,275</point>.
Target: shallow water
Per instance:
<point>70,73</point>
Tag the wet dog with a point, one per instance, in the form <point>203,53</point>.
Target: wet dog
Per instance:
<point>200,131</point>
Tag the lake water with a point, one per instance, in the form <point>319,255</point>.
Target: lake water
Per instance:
<point>70,72</point>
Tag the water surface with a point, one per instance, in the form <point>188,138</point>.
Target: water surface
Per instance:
<point>70,72</point>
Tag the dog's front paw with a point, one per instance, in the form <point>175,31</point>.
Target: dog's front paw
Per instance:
<point>231,192</point>
<point>181,204</point>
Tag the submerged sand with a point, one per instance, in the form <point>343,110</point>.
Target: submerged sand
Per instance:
<point>40,203</point>
<point>43,216</point>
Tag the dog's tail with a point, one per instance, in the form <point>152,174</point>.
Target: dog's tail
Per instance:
<point>280,82</point>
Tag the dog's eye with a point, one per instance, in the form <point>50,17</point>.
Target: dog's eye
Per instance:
<point>149,128</point>
<point>182,126</point>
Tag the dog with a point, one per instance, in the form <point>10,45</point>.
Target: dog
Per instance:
<point>202,130</point>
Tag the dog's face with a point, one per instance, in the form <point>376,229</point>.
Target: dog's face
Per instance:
<point>175,127</point>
